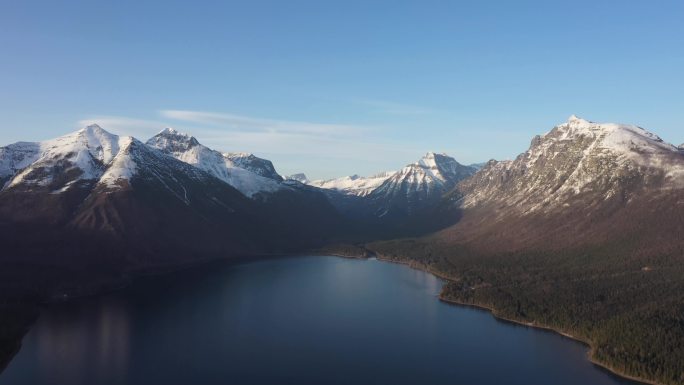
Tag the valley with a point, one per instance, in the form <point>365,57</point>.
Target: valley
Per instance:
<point>581,233</point>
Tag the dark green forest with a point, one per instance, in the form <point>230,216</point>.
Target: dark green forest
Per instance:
<point>630,310</point>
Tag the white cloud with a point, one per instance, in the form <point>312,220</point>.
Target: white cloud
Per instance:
<point>239,122</point>
<point>294,146</point>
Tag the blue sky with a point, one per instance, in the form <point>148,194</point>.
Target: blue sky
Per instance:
<point>336,88</point>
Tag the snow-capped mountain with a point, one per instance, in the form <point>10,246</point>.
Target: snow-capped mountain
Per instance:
<point>299,177</point>
<point>250,162</point>
<point>247,173</point>
<point>398,202</point>
<point>354,185</point>
<point>581,185</point>
<point>432,175</point>
<point>579,157</point>
<point>91,193</point>
<point>419,184</point>
<point>90,155</point>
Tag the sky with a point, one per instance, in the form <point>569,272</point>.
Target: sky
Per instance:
<point>333,88</point>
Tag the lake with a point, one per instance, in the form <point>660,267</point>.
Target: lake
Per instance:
<point>291,320</point>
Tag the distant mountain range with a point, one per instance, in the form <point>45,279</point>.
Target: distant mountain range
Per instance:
<point>94,181</point>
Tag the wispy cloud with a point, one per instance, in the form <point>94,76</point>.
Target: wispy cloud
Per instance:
<point>393,108</point>
<point>283,137</point>
<point>322,149</point>
<point>246,123</point>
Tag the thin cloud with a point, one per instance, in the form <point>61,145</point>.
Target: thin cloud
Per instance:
<point>297,146</point>
<point>246,123</point>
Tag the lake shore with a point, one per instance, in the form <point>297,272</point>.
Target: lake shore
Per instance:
<point>361,254</point>
<point>493,312</point>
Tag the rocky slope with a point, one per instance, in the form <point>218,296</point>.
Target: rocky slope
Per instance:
<point>582,181</point>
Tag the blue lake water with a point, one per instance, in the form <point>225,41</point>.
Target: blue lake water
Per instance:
<point>293,320</point>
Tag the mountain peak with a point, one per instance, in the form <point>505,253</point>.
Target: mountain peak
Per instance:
<point>434,160</point>
<point>169,130</point>
<point>172,140</point>
<point>253,163</point>
<point>299,177</point>
<point>577,121</point>
<point>93,126</point>
<point>433,155</point>
<point>94,129</point>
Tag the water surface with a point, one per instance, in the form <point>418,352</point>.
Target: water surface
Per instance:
<point>295,320</point>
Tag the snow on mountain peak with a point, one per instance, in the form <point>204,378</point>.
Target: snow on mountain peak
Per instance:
<point>431,170</point>
<point>354,184</point>
<point>169,130</point>
<point>173,141</point>
<point>92,128</point>
<point>574,119</point>
<point>576,157</point>
<point>244,171</point>
<point>432,160</point>
<point>58,163</point>
<point>123,167</point>
<point>299,177</point>
<point>621,139</point>
<point>252,163</point>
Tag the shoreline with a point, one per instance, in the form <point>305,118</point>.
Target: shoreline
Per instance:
<point>585,342</point>
<point>169,269</point>
<point>500,318</point>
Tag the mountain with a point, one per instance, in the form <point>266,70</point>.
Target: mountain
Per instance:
<point>96,182</point>
<point>581,233</point>
<point>247,173</point>
<point>579,157</point>
<point>477,166</point>
<point>300,177</point>
<point>91,206</point>
<point>86,156</point>
<point>418,185</point>
<point>599,178</point>
<point>249,162</point>
<point>398,203</point>
<point>353,185</point>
